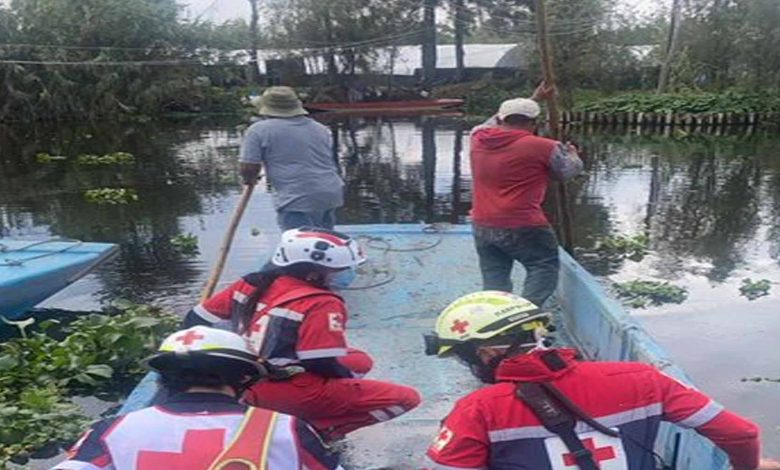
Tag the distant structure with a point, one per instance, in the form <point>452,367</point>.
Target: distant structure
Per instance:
<point>403,62</point>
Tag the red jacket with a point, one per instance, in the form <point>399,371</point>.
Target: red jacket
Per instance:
<point>292,321</point>
<point>491,428</point>
<point>511,170</point>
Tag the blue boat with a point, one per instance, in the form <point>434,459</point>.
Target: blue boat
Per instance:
<point>32,271</point>
<point>414,272</point>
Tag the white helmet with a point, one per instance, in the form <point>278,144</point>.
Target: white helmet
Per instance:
<point>326,248</point>
<point>201,347</point>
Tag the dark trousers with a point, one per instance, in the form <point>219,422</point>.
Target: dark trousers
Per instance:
<point>289,220</point>
<point>536,248</point>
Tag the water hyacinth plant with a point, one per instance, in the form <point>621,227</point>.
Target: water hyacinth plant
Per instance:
<point>116,158</point>
<point>633,247</point>
<point>46,158</point>
<point>755,289</point>
<point>640,294</point>
<point>112,196</point>
<point>186,244</point>
<point>41,370</point>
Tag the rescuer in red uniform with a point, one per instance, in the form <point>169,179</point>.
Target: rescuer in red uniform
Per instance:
<point>612,410</point>
<point>296,322</point>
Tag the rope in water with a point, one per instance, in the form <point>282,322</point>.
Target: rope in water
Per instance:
<point>387,247</point>
<point>20,262</point>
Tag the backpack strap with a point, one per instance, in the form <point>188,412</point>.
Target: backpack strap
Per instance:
<point>250,446</point>
<point>558,420</point>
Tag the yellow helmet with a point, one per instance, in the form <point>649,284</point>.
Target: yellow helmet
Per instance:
<point>481,316</point>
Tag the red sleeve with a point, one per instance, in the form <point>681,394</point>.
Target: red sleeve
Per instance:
<point>462,441</point>
<point>357,361</point>
<point>689,408</point>
<point>218,306</point>
<point>321,333</point>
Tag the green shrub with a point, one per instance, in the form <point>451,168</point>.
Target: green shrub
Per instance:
<point>686,103</point>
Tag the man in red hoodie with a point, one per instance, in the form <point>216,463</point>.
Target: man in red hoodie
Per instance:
<point>511,168</point>
<point>619,405</point>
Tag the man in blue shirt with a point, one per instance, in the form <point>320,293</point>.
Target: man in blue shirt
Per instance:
<point>297,154</point>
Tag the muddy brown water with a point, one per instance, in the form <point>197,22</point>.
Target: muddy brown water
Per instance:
<point>710,204</point>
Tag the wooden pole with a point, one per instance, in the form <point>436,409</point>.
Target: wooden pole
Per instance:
<point>553,114</point>
<point>246,195</point>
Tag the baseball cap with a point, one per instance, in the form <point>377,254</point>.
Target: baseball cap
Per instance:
<point>521,106</point>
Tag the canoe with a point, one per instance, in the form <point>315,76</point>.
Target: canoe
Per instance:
<point>412,273</point>
<point>387,107</point>
<point>32,271</point>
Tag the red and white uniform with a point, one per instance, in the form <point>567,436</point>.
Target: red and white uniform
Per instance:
<point>294,322</point>
<point>188,433</point>
<point>492,428</point>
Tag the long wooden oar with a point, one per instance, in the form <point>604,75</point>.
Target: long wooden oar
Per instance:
<point>226,242</point>
<point>553,114</point>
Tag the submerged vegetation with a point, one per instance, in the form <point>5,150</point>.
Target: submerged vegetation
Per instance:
<point>113,196</point>
<point>41,371</point>
<point>640,294</point>
<point>755,289</point>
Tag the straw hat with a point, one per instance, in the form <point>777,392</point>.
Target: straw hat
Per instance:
<point>280,101</point>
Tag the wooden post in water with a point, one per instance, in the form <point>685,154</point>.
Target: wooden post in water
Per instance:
<point>545,51</point>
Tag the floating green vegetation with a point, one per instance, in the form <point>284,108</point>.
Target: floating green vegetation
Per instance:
<point>116,158</point>
<point>186,244</point>
<point>640,294</point>
<point>633,247</point>
<point>111,196</point>
<point>42,370</point>
<point>755,289</point>
<point>46,158</point>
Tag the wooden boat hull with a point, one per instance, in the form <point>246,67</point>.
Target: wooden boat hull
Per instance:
<point>30,272</point>
<point>385,108</point>
<point>416,274</point>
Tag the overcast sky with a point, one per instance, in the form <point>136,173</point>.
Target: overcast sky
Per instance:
<point>220,10</point>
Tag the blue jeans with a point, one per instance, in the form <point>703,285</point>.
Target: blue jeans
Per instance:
<point>536,248</point>
<point>288,220</point>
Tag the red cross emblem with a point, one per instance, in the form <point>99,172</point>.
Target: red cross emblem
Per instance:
<point>189,338</point>
<point>444,438</point>
<point>459,326</point>
<point>200,448</point>
<point>599,454</point>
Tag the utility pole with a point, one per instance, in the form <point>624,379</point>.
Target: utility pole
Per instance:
<point>429,41</point>
<point>254,40</point>
<point>671,46</point>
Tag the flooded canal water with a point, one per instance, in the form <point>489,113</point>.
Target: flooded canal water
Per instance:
<point>710,205</point>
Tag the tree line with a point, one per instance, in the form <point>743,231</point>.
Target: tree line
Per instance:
<point>105,57</point>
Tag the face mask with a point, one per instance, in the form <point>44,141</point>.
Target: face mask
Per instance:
<point>341,279</point>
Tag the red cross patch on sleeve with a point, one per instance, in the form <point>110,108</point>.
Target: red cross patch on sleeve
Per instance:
<point>443,438</point>
<point>335,321</point>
